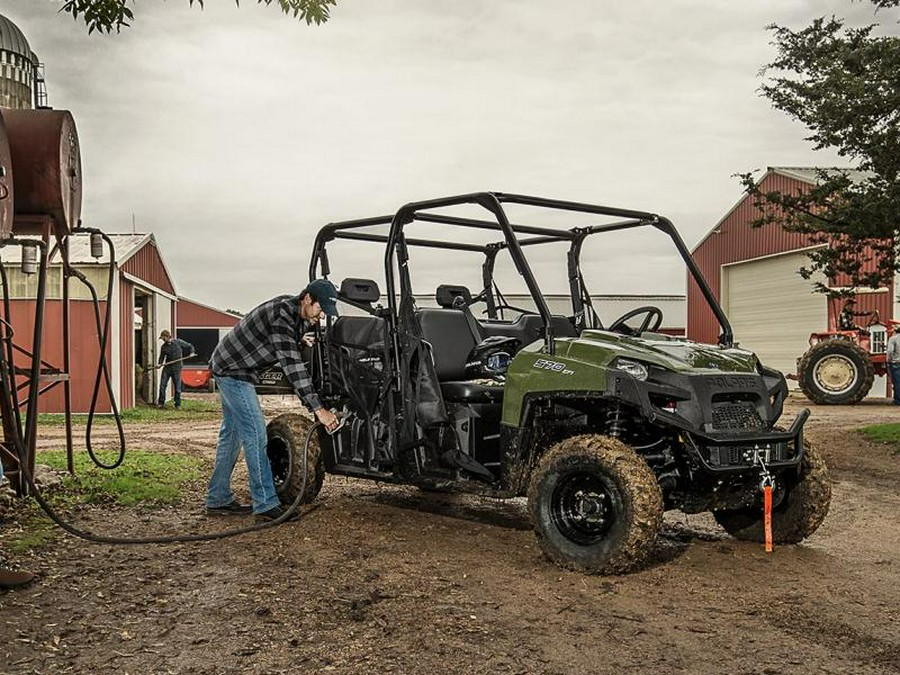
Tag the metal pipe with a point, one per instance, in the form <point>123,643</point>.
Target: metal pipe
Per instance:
<point>63,244</point>
<point>490,225</point>
<point>726,339</point>
<point>428,243</point>
<point>34,378</point>
<point>562,205</point>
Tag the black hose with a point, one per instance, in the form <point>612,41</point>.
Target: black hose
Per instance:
<point>102,369</point>
<point>8,343</point>
<point>102,372</point>
<point>102,539</point>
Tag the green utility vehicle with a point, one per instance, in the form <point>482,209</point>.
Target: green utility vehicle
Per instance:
<point>602,426</point>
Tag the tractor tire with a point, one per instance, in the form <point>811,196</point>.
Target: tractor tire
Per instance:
<point>835,372</point>
<point>800,512</point>
<point>595,505</point>
<point>287,437</point>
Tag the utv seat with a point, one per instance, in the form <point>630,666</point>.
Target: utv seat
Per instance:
<point>528,327</point>
<point>359,334</point>
<point>460,299</point>
<point>451,339</point>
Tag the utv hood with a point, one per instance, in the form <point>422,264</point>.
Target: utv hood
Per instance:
<point>677,354</point>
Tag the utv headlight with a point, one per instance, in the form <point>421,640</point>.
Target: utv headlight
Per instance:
<point>637,370</point>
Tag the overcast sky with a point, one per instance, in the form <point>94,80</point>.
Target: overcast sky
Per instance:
<point>234,134</point>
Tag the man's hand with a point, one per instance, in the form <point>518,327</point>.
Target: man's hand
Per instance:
<point>309,339</point>
<point>327,418</point>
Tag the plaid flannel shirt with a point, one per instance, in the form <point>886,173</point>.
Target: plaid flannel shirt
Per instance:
<point>270,334</point>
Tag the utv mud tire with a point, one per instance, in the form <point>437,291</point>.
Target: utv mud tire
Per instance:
<point>595,505</point>
<point>800,512</point>
<point>835,372</point>
<point>287,435</point>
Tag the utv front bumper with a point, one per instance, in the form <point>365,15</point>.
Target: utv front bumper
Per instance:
<point>772,449</point>
<point>725,421</point>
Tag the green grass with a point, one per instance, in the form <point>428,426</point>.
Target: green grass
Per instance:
<point>190,409</point>
<point>884,433</point>
<point>148,479</point>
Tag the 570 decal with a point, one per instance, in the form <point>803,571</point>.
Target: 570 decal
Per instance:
<point>553,366</point>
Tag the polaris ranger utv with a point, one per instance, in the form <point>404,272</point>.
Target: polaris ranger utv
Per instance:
<point>603,427</point>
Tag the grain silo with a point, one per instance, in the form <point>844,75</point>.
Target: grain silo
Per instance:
<point>21,78</point>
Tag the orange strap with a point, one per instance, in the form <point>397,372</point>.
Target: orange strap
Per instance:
<point>767,516</point>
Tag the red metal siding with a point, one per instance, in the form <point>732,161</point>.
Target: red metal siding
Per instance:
<point>735,240</point>
<point>193,315</point>
<point>126,327</point>
<point>147,265</point>
<point>85,351</point>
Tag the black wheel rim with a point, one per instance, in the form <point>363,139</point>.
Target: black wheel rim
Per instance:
<point>584,507</point>
<point>279,460</point>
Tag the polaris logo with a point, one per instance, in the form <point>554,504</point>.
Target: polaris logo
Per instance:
<point>732,382</point>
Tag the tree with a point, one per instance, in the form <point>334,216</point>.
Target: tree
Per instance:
<point>105,15</point>
<point>844,85</point>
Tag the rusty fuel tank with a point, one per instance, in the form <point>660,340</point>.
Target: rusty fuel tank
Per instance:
<point>46,162</point>
<point>6,185</point>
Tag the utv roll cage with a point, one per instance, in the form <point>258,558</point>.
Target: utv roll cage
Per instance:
<point>397,254</point>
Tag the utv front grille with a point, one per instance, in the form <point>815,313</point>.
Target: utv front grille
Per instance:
<point>735,415</point>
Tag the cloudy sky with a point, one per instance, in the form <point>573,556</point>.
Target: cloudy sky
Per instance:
<point>234,134</point>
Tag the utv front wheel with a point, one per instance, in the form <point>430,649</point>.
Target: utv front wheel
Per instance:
<point>287,441</point>
<point>595,505</point>
<point>799,513</point>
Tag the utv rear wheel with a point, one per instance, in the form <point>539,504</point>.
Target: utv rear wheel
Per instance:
<point>595,505</point>
<point>800,512</point>
<point>287,442</point>
<point>835,372</point>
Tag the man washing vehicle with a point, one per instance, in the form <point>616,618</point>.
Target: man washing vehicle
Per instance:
<point>269,335</point>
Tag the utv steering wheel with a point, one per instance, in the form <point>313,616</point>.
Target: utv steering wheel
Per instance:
<point>651,322</point>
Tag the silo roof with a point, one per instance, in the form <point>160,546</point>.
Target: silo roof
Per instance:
<point>12,39</point>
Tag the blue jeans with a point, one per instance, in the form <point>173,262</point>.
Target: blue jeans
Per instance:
<point>174,374</point>
<point>242,424</point>
<point>894,372</point>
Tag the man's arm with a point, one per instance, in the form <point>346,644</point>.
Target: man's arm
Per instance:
<point>187,349</point>
<point>287,351</point>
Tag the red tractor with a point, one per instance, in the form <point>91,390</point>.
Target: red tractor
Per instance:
<point>842,363</point>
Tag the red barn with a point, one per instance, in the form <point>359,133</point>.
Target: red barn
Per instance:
<point>143,303</point>
<point>203,326</point>
<point>754,274</point>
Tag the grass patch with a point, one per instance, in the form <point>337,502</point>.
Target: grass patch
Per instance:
<point>884,433</point>
<point>190,409</point>
<point>147,479</point>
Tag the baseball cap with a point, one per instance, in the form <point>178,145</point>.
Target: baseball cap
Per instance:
<point>325,293</point>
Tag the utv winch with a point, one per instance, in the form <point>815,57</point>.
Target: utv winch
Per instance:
<point>603,427</point>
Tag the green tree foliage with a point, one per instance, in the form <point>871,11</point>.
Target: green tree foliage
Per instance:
<point>104,16</point>
<point>843,84</point>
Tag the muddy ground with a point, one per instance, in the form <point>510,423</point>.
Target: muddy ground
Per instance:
<point>388,580</point>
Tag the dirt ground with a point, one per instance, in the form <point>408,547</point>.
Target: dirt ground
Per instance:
<point>389,580</point>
